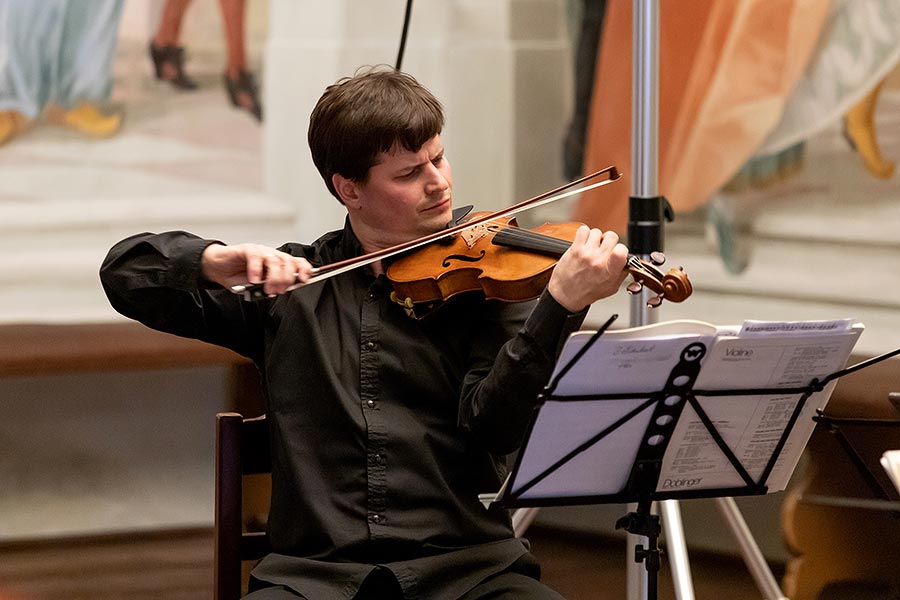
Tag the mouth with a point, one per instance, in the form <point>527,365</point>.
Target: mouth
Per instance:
<point>440,206</point>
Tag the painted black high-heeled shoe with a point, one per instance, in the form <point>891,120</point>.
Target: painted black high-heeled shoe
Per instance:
<point>172,57</point>
<point>243,93</point>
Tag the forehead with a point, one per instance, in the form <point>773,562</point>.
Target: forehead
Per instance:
<point>399,155</point>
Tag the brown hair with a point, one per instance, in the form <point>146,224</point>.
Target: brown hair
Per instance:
<point>361,116</point>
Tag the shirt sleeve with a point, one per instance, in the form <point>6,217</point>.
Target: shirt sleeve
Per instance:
<point>501,388</point>
<point>156,279</point>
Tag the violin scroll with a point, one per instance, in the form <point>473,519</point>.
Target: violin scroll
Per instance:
<point>673,286</point>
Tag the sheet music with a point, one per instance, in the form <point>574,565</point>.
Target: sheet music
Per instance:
<point>619,359</point>
<point>627,360</point>
<point>757,355</point>
<point>752,425</point>
<point>597,470</point>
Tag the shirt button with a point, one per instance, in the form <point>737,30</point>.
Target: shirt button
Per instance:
<point>370,403</point>
<point>370,346</point>
<point>378,458</point>
<point>376,519</point>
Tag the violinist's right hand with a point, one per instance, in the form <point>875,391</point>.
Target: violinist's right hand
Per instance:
<point>253,263</point>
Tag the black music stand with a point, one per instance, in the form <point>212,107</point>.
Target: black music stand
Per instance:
<point>845,431</point>
<point>617,442</point>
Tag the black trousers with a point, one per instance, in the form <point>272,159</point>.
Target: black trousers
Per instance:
<point>381,585</point>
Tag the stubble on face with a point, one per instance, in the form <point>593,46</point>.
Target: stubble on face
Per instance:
<point>406,195</point>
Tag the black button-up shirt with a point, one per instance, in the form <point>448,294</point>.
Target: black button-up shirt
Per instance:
<point>384,429</point>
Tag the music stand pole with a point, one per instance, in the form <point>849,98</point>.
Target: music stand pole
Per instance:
<point>646,211</point>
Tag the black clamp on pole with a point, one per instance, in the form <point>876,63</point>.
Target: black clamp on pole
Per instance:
<point>645,523</point>
<point>645,224</point>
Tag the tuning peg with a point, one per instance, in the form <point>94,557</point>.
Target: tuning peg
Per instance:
<point>655,301</point>
<point>635,287</point>
<point>657,258</point>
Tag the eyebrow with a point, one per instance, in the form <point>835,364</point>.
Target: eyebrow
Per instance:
<point>419,164</point>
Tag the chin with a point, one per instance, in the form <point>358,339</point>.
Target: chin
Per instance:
<point>440,221</point>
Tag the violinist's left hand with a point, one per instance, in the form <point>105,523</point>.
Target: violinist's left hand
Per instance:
<point>591,269</point>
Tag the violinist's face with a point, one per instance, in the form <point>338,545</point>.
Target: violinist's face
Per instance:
<point>405,196</point>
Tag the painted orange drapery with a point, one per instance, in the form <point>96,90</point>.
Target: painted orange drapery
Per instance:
<point>725,71</point>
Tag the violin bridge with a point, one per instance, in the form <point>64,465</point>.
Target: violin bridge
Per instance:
<point>473,234</point>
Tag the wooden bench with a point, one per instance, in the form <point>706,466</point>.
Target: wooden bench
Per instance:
<point>48,349</point>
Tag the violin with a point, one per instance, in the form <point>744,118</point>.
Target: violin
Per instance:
<point>673,286</point>
<point>511,264</point>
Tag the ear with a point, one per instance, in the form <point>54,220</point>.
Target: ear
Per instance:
<point>347,189</point>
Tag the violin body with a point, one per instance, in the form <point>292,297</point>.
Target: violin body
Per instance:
<point>472,261</point>
<point>510,264</point>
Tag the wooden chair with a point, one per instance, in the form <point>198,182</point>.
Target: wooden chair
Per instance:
<point>842,542</point>
<point>242,452</point>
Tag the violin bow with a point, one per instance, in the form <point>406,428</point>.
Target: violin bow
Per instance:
<point>252,291</point>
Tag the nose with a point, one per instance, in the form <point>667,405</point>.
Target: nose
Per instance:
<point>437,181</point>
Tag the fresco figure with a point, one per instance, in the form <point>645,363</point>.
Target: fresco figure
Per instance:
<point>167,54</point>
<point>56,59</point>
<point>742,86</point>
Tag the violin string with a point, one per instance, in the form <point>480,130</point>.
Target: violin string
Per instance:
<point>553,244</point>
<point>537,240</point>
<point>546,241</point>
<point>638,265</point>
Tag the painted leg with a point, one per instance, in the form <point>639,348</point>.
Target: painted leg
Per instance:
<point>239,82</point>
<point>165,52</point>
<point>859,129</point>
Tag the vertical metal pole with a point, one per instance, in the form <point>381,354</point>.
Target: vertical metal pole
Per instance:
<point>645,99</point>
<point>676,543</point>
<point>645,184</point>
<point>644,122</point>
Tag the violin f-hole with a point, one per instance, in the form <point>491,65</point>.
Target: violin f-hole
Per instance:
<point>463,258</point>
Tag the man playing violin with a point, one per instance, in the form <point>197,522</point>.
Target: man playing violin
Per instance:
<point>384,429</point>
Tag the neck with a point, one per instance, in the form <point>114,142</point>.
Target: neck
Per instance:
<point>369,244</point>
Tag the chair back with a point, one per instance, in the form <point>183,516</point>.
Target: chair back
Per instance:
<point>242,448</point>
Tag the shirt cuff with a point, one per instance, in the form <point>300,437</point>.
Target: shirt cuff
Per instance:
<point>186,273</point>
<point>550,323</point>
